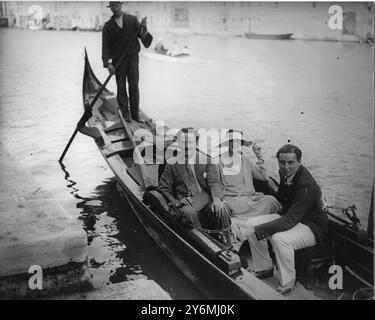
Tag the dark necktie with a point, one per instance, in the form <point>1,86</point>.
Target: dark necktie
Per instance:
<point>193,181</point>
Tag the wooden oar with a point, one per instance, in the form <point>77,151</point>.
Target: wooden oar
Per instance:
<point>137,154</point>
<point>99,93</point>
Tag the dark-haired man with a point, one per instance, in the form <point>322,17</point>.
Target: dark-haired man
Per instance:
<point>195,188</point>
<point>301,222</point>
<point>120,33</point>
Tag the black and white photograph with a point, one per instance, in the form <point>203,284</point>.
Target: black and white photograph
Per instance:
<point>198,151</point>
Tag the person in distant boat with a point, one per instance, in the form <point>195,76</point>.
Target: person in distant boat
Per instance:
<point>300,223</point>
<point>237,174</point>
<point>175,50</point>
<point>194,188</point>
<point>185,51</point>
<point>159,47</point>
<point>118,36</point>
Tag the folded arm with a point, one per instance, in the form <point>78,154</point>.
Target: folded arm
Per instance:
<point>292,217</point>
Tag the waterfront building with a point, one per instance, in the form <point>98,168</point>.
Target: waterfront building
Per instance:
<point>306,20</point>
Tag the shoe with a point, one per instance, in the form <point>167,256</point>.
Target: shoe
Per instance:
<point>288,288</point>
<point>263,274</point>
<point>127,118</point>
<point>126,114</point>
<point>138,119</point>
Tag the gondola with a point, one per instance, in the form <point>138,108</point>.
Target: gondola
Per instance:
<point>284,36</point>
<point>215,269</point>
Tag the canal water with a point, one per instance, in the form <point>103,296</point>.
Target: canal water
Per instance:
<point>318,95</point>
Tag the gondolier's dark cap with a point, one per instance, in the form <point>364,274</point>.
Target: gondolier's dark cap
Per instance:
<point>114,3</point>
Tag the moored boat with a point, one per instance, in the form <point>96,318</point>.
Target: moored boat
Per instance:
<point>283,36</point>
<point>217,270</point>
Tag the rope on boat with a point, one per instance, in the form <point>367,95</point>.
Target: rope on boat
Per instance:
<point>229,245</point>
<point>368,292</point>
<point>358,277</point>
<point>351,213</point>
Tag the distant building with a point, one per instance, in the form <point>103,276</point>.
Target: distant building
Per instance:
<point>4,21</point>
<point>306,20</point>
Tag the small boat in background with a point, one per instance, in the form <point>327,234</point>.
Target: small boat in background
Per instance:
<point>284,36</point>
<point>165,57</point>
<point>162,53</point>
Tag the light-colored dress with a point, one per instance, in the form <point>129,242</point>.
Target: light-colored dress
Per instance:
<point>240,195</point>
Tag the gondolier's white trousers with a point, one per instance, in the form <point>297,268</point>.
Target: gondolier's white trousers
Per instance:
<point>284,244</point>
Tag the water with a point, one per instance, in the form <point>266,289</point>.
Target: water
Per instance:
<point>317,94</point>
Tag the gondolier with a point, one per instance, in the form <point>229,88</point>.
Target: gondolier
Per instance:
<point>119,35</point>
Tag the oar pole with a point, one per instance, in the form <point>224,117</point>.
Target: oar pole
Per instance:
<point>90,107</point>
<point>99,93</point>
<point>68,145</point>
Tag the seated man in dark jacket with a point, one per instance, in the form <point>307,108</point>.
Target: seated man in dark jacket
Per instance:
<point>186,180</point>
<point>301,222</point>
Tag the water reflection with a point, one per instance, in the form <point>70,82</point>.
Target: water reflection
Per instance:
<point>119,247</point>
<point>72,183</point>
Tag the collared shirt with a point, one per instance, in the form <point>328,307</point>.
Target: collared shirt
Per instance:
<point>119,20</point>
<point>195,177</point>
<point>289,180</point>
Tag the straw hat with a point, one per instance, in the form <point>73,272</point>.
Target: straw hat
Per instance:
<point>234,135</point>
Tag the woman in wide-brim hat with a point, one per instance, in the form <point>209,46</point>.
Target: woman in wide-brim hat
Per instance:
<point>237,173</point>
<point>234,135</point>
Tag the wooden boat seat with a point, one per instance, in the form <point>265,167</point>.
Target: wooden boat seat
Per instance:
<point>113,145</point>
<point>308,261</point>
<point>122,147</point>
<point>114,127</point>
<point>117,135</point>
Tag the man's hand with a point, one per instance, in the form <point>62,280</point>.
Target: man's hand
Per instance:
<point>111,68</point>
<point>144,22</point>
<point>257,151</point>
<point>184,202</point>
<point>218,207</point>
<point>143,27</point>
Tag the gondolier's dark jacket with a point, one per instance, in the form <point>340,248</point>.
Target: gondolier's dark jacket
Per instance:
<point>116,40</point>
<point>174,181</point>
<point>301,202</point>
